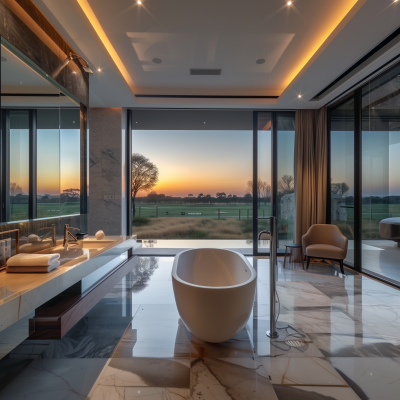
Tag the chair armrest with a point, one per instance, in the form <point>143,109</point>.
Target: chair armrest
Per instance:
<point>306,241</point>
<point>345,244</point>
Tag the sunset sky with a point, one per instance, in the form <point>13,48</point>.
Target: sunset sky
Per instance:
<point>381,164</point>
<point>193,162</point>
<point>58,165</point>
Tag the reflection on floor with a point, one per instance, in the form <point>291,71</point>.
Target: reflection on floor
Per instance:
<point>343,343</point>
<point>379,256</point>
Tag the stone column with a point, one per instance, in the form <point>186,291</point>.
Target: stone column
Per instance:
<point>107,154</point>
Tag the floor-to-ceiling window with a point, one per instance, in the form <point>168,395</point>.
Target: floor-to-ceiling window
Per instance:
<point>375,165</point>
<point>342,171</point>
<point>264,178</point>
<point>192,175</point>
<point>381,175</point>
<point>285,122</point>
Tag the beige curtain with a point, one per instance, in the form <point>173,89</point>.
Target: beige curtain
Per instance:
<point>310,169</point>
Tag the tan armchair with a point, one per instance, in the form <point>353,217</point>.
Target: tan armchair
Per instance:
<point>325,241</point>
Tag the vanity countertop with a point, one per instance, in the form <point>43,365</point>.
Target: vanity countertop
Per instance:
<point>22,293</point>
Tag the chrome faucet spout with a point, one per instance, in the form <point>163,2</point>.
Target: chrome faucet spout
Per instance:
<point>52,230</point>
<point>68,234</point>
<point>263,232</point>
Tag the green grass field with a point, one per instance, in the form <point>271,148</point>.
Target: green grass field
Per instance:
<point>180,221</point>
<point>203,221</point>
<point>371,216</point>
<point>202,211</point>
<point>19,212</point>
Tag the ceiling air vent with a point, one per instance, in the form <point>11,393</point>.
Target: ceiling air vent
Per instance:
<point>205,71</point>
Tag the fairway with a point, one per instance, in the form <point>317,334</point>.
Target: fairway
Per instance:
<point>211,211</point>
<point>19,212</point>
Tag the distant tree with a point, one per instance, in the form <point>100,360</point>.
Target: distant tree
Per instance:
<point>72,193</point>
<point>234,196</point>
<point>263,190</point>
<point>286,184</point>
<point>200,195</point>
<point>229,196</point>
<point>221,195</point>
<point>15,190</point>
<point>69,196</point>
<point>144,176</point>
<point>341,189</point>
<point>152,194</point>
<point>208,196</point>
<point>247,196</point>
<point>190,195</point>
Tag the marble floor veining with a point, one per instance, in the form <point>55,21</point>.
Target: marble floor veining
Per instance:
<point>338,340</point>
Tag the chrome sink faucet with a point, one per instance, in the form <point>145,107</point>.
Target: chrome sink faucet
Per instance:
<point>52,230</point>
<point>68,234</point>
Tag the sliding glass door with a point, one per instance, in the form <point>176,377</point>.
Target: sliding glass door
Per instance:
<point>342,171</point>
<point>274,167</point>
<point>364,175</point>
<point>381,176</point>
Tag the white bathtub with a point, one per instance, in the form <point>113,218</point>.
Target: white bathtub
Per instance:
<point>214,292</point>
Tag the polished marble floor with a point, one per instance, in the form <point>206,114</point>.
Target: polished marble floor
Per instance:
<point>381,257</point>
<point>339,340</point>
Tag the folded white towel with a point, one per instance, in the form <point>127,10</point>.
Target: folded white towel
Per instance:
<point>33,238</point>
<point>46,268</point>
<point>32,260</point>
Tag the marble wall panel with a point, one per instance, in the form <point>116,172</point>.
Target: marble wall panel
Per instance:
<point>107,201</point>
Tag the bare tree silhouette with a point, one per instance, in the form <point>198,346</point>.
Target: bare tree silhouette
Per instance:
<point>286,184</point>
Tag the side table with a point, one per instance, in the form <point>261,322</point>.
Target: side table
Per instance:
<point>289,247</point>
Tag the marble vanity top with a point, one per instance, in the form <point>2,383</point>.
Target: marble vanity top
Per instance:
<point>21,293</point>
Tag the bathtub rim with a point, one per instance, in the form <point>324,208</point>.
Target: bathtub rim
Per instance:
<point>177,278</point>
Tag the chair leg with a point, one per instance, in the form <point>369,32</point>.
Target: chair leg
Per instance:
<point>308,261</point>
<point>284,258</point>
<point>341,266</point>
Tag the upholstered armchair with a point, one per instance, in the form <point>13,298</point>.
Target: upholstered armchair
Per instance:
<point>325,241</point>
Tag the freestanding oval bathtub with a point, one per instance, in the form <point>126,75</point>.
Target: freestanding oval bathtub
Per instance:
<point>214,292</point>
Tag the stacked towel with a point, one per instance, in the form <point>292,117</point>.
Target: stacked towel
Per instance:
<point>33,262</point>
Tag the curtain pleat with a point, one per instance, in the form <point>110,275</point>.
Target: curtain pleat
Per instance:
<point>310,170</point>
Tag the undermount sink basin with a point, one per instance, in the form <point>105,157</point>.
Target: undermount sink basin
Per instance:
<point>93,244</point>
<point>83,249</point>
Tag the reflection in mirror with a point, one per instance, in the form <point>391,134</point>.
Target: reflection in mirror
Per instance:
<point>41,144</point>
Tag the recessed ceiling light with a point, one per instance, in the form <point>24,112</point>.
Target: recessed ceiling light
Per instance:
<point>73,72</point>
<point>157,60</point>
<point>99,69</point>
<point>289,3</point>
<point>260,61</point>
<point>139,2</point>
<point>299,96</point>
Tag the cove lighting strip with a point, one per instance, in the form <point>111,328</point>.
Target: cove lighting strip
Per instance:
<point>322,38</point>
<point>317,44</point>
<point>90,15</point>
